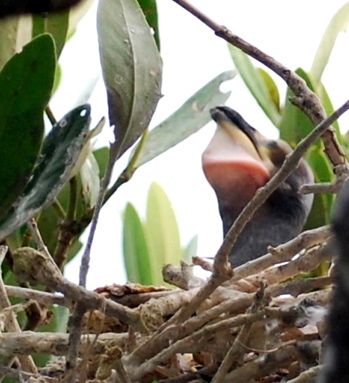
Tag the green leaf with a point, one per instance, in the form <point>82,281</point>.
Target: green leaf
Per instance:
<point>54,23</point>
<point>135,248</point>
<point>23,98</point>
<point>89,174</point>
<point>102,156</point>
<point>295,124</point>
<point>131,67</point>
<point>150,11</point>
<point>322,205</point>
<point>162,231</point>
<point>272,88</point>
<point>59,153</point>
<point>255,82</point>
<point>188,119</point>
<point>337,24</point>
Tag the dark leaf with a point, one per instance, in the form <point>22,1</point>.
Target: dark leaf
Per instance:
<point>25,87</point>
<point>60,151</point>
<point>131,67</point>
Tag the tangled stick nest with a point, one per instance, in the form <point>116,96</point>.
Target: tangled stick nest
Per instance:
<point>262,324</point>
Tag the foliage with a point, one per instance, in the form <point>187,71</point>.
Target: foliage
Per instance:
<point>56,179</point>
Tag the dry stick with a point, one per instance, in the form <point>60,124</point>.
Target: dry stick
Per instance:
<point>191,342</point>
<point>56,344</point>
<point>42,297</point>
<point>308,376</point>
<point>284,252</point>
<point>179,339</point>
<point>75,328</point>
<point>237,351</point>
<point>33,226</point>
<point>263,193</point>
<point>37,268</point>
<point>311,105</point>
<point>11,323</point>
<point>304,98</point>
<point>303,264</point>
<point>240,301</point>
<point>264,365</point>
<point>221,258</point>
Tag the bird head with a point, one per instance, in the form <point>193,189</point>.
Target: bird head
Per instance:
<point>239,160</point>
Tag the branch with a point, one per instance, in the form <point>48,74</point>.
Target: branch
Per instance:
<point>284,252</point>
<point>56,344</point>
<point>304,98</point>
<point>35,267</point>
<point>11,323</point>
<point>263,193</point>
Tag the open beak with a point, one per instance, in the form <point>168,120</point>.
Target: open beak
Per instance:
<point>237,160</point>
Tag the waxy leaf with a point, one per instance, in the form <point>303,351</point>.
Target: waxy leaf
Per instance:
<point>135,249</point>
<point>25,87</point>
<point>188,119</point>
<point>150,11</point>
<point>131,67</point>
<point>255,82</point>
<point>295,124</point>
<point>338,24</point>
<point>59,153</point>
<point>56,24</point>
<point>162,231</point>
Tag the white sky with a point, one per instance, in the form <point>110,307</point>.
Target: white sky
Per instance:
<point>290,31</point>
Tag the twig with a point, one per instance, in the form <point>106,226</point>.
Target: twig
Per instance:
<point>42,297</point>
<point>303,264</point>
<point>56,344</point>
<point>326,187</point>
<point>235,354</point>
<point>308,376</point>
<point>304,98</point>
<point>283,252</point>
<point>263,365</point>
<point>11,323</point>
<point>263,193</point>
<point>35,267</point>
<point>75,329</point>
<point>33,226</point>
<point>192,342</point>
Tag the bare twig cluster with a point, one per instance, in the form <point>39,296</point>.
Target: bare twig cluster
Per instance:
<point>245,329</point>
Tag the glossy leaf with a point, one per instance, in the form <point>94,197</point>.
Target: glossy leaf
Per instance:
<point>272,88</point>
<point>295,124</point>
<point>162,231</point>
<point>150,11</point>
<point>338,24</point>
<point>255,82</point>
<point>135,248</point>
<point>23,98</point>
<point>89,174</point>
<point>131,67</point>
<point>102,156</point>
<point>322,205</point>
<point>56,24</point>
<point>188,119</point>
<point>59,153</point>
